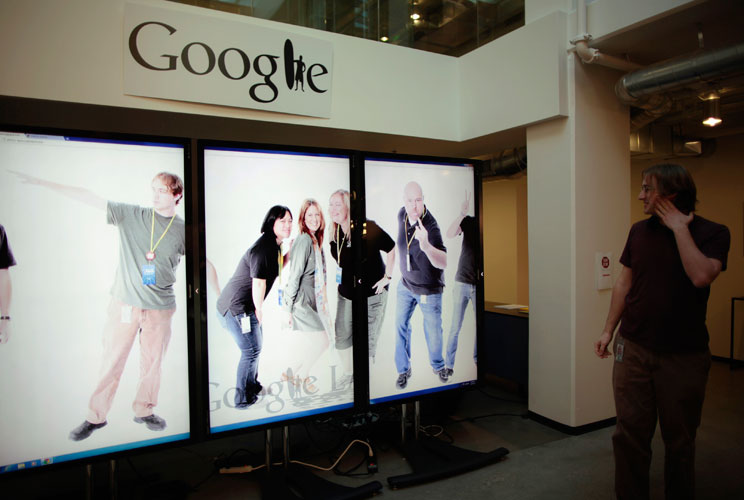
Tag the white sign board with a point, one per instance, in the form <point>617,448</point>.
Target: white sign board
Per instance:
<point>170,54</point>
<point>603,270</point>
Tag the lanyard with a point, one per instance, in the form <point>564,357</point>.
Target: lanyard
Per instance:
<point>280,260</point>
<point>339,245</point>
<point>152,233</point>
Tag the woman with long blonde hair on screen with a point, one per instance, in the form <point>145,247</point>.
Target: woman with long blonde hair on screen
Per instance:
<point>374,275</point>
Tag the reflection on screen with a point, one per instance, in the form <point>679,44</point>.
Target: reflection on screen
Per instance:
<point>273,298</point>
<point>94,357</point>
<point>423,340</point>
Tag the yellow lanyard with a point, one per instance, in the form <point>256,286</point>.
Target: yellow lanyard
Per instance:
<point>408,242</point>
<point>339,246</point>
<point>152,232</point>
<point>280,260</point>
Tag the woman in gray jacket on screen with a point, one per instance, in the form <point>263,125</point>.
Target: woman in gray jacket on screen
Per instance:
<point>305,299</point>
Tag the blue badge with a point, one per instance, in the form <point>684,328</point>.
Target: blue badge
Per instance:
<point>338,275</point>
<point>620,350</point>
<point>148,274</point>
<point>280,294</point>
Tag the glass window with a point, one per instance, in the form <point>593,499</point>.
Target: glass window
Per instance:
<point>452,27</point>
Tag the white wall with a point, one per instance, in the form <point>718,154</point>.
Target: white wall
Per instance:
<point>602,217</point>
<point>606,17</point>
<point>72,51</point>
<point>517,80</point>
<point>578,205</point>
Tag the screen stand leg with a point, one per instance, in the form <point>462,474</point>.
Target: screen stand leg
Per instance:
<point>416,419</point>
<point>285,446</point>
<point>432,459</point>
<point>89,482</point>
<point>267,449</point>
<point>403,423</point>
<point>295,481</point>
<point>113,484</point>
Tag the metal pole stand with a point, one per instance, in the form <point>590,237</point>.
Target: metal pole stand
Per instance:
<point>432,459</point>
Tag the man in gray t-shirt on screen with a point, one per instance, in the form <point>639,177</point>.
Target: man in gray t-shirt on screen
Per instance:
<point>151,244</point>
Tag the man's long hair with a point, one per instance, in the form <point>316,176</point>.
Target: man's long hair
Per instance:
<point>673,179</point>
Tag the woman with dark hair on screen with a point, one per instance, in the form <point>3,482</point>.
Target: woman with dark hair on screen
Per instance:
<point>240,304</point>
<point>375,277</point>
<point>306,299</point>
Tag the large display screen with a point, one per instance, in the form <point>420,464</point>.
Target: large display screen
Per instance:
<point>94,357</point>
<point>276,349</point>
<point>422,338</point>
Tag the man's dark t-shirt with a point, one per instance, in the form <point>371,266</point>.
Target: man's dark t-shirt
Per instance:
<point>6,254</point>
<point>664,311</point>
<point>423,278</point>
<point>466,271</point>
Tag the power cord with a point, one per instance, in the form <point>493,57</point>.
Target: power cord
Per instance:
<point>249,468</point>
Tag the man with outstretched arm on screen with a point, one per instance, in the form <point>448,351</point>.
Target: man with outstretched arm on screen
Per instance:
<point>423,257</point>
<point>662,359</point>
<point>151,244</point>
<point>466,279</point>
<point>6,286</point>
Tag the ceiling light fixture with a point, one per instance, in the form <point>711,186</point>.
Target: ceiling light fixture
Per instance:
<point>415,16</point>
<point>384,39</point>
<point>712,109</point>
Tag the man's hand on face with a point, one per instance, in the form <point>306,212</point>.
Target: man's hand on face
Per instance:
<point>422,235</point>
<point>670,216</point>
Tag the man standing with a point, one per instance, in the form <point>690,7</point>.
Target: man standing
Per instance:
<point>466,279</point>
<point>422,259</point>
<point>6,287</point>
<point>151,244</point>
<point>661,351</point>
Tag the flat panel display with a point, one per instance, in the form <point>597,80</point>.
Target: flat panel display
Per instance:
<point>272,299</point>
<point>426,338</point>
<point>95,356</point>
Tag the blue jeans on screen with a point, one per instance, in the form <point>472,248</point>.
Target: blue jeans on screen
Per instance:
<point>461,295</point>
<point>247,385</point>
<point>431,308</point>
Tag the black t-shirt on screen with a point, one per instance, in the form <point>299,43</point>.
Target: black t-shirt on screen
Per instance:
<point>371,268</point>
<point>260,261</point>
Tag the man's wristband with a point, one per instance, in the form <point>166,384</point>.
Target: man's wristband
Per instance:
<point>5,317</point>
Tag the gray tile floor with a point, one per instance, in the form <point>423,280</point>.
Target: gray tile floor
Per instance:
<point>543,463</point>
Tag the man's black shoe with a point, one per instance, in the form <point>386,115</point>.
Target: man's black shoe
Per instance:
<point>84,430</point>
<point>443,375</point>
<point>450,371</point>
<point>153,422</point>
<point>247,404</point>
<point>402,381</point>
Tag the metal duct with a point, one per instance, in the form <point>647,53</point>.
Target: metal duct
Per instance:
<point>507,163</point>
<point>673,74</point>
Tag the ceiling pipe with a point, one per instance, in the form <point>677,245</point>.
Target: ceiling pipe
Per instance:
<point>590,55</point>
<point>645,88</point>
<point>674,74</point>
<point>507,163</point>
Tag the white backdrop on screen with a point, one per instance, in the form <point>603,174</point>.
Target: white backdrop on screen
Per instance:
<point>67,257</point>
<point>240,187</point>
<point>445,189</point>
